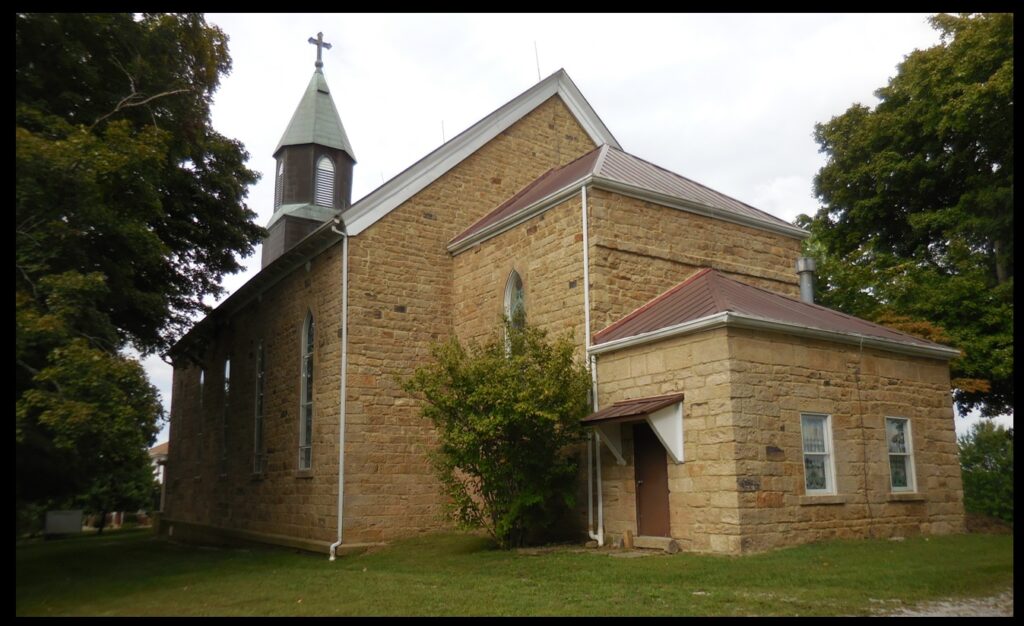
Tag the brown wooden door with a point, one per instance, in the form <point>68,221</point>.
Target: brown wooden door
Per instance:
<point>651,473</point>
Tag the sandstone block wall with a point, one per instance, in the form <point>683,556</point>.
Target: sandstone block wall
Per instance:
<point>741,486</point>
<point>777,377</point>
<point>210,477</point>
<point>703,501</point>
<point>547,252</point>
<point>400,301</point>
<point>640,250</point>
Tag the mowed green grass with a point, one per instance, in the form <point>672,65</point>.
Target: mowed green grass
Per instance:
<point>135,573</point>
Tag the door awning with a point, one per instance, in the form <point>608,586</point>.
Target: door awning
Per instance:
<point>664,414</point>
<point>629,410</point>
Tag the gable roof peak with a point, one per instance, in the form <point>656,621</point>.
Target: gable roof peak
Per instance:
<point>410,181</point>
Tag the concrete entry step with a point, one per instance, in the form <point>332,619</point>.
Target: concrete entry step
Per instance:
<point>668,544</point>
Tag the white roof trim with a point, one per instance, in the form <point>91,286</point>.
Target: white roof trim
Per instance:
<point>393,193</point>
<point>741,320</point>
<point>710,322</point>
<point>889,345</point>
<point>700,209</point>
<point>640,193</point>
<point>510,221</point>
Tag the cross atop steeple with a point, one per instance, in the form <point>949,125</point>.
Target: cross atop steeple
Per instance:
<point>320,45</point>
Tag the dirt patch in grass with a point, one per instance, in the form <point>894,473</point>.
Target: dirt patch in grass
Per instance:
<point>1000,605</point>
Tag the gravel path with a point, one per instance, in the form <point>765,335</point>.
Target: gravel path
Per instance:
<point>1000,605</point>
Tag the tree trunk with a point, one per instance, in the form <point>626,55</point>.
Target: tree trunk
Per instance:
<point>1004,269</point>
<point>103,521</point>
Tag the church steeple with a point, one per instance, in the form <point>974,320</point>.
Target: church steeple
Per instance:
<point>313,173</point>
<point>316,120</point>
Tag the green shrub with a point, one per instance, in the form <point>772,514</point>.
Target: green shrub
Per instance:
<point>505,413</point>
<point>986,458</point>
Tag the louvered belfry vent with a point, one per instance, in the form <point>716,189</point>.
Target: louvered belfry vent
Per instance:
<point>323,194</point>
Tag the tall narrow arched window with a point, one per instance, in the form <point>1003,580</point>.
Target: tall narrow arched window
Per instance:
<point>224,413</point>
<point>202,382</point>
<point>306,404</point>
<point>258,465</point>
<point>279,183</point>
<point>515,305</point>
<point>323,189</point>
<point>200,421</point>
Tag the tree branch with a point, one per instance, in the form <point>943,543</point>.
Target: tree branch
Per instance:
<point>35,294</point>
<point>127,103</point>
<point>36,372</point>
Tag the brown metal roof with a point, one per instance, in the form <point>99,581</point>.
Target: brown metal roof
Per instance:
<point>628,169</point>
<point>632,408</point>
<point>549,182</point>
<point>709,292</point>
<point>160,449</point>
<point>612,164</point>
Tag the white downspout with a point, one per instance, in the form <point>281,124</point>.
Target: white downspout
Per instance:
<point>595,444</point>
<point>344,369</point>
<point>599,536</point>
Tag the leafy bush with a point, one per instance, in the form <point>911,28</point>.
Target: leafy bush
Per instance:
<point>986,458</point>
<point>505,412</point>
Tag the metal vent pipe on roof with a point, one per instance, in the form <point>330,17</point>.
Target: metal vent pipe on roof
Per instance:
<point>805,267</point>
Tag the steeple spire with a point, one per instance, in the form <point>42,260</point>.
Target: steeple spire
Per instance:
<point>320,45</point>
<point>313,180</point>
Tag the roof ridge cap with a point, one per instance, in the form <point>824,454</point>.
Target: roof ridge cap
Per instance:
<point>716,295</point>
<point>600,159</point>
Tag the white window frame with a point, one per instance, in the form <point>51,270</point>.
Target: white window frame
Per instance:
<point>909,454</point>
<point>305,392</point>
<point>829,454</point>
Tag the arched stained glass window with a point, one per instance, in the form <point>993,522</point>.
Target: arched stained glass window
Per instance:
<point>515,305</point>
<point>306,404</point>
<point>323,193</point>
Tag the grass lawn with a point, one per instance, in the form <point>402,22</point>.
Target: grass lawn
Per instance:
<point>134,573</point>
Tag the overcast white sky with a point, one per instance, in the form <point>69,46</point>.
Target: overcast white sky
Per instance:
<point>727,100</point>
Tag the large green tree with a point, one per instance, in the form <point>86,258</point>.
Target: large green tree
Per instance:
<point>986,459</point>
<point>916,224</point>
<point>129,208</point>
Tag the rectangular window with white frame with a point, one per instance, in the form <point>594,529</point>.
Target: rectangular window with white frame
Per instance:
<point>901,454</point>
<point>819,463</point>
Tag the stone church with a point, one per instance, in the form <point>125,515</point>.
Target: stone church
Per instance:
<point>731,414</point>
